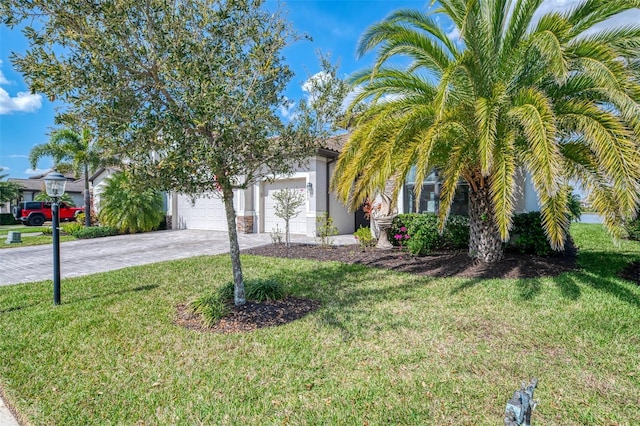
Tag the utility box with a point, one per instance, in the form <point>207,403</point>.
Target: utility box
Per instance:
<point>14,237</point>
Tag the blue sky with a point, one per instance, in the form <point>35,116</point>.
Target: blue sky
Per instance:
<point>335,26</point>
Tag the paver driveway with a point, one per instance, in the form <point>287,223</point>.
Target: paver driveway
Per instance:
<point>82,257</point>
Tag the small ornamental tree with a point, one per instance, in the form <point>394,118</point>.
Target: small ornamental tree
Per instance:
<point>188,91</point>
<point>288,201</point>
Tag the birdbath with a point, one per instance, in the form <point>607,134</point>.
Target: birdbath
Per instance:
<point>384,223</point>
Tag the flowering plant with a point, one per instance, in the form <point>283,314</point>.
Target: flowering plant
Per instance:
<point>401,236</point>
<point>369,208</point>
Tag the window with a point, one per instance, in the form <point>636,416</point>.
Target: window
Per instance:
<point>430,195</point>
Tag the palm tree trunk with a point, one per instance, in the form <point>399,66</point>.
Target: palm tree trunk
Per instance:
<point>234,248</point>
<point>87,198</point>
<point>484,239</point>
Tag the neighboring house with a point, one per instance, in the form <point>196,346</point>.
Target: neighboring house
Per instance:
<point>35,184</point>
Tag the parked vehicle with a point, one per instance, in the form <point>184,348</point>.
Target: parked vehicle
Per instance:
<point>35,213</point>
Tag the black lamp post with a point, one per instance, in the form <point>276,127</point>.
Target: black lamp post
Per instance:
<point>55,183</point>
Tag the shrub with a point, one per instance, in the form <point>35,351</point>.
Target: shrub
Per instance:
<point>633,229</point>
<point>47,231</point>
<point>96,232</point>
<point>527,235</point>
<point>211,308</point>
<point>80,217</point>
<point>325,230</point>
<point>129,205</point>
<point>261,290</point>
<point>364,237</point>
<point>424,237</point>
<point>456,232</point>
<point>402,236</point>
<point>71,228</point>
<point>276,235</point>
<point>7,219</point>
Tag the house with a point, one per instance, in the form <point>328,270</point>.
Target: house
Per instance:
<point>255,206</point>
<point>255,211</point>
<point>33,185</point>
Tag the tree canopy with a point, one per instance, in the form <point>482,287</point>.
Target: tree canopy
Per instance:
<point>553,96</point>
<point>188,91</point>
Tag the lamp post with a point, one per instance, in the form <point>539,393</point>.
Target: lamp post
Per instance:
<point>55,183</point>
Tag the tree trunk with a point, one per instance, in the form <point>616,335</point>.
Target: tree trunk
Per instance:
<point>287,238</point>
<point>234,248</point>
<point>484,239</point>
<point>87,198</point>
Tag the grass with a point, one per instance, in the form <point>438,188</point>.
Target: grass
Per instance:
<point>34,240</point>
<point>4,229</point>
<point>385,348</point>
<point>28,240</point>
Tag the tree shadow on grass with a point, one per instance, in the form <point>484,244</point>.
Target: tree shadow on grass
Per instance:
<point>19,307</point>
<point>597,269</point>
<point>345,290</point>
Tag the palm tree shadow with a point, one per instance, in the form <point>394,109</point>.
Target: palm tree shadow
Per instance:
<point>344,291</point>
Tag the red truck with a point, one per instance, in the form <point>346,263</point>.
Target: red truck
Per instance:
<point>35,213</point>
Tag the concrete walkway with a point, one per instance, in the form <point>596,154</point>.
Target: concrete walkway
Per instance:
<point>83,257</point>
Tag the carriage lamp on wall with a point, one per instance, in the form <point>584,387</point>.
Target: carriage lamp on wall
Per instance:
<point>310,188</point>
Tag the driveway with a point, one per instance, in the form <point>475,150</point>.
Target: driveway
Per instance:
<point>83,257</point>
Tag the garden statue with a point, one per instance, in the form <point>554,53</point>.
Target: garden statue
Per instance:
<point>520,406</point>
<point>382,214</point>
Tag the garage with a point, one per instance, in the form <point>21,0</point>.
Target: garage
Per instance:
<point>201,213</point>
<point>298,224</point>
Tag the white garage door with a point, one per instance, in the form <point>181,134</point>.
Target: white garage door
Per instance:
<point>204,213</point>
<point>297,225</point>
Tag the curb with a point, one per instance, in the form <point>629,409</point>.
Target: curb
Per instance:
<point>6,416</point>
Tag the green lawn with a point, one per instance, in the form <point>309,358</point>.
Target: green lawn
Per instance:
<point>34,240</point>
<point>4,229</point>
<point>385,348</point>
<point>28,240</point>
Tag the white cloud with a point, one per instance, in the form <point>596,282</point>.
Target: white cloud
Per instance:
<point>22,102</point>
<point>315,82</point>
<point>630,17</point>
<point>32,172</point>
<point>287,110</point>
<point>454,34</point>
<point>3,79</point>
<point>18,156</point>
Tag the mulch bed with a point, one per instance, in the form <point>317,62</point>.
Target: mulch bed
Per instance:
<point>439,264</point>
<point>255,315</point>
<point>251,316</point>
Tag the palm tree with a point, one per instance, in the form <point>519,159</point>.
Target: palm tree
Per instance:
<point>75,152</point>
<point>554,97</point>
<point>128,207</point>
<point>9,191</point>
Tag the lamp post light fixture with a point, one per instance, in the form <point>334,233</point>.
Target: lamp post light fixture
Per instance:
<point>55,183</point>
